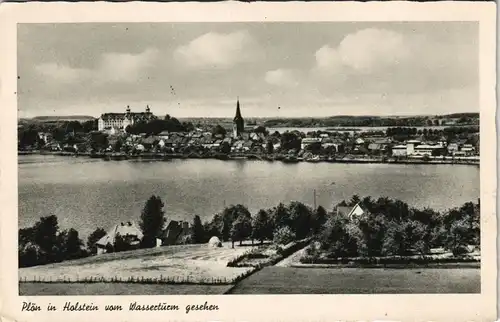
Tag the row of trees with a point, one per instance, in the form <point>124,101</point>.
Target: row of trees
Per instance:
<point>388,227</point>
<point>61,131</point>
<point>283,224</point>
<point>45,242</point>
<point>449,133</point>
<point>373,121</point>
<point>156,126</point>
<point>391,227</point>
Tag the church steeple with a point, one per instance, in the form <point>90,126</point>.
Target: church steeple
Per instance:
<point>238,122</point>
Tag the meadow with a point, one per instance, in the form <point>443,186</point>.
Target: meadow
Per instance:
<point>40,289</point>
<point>180,264</point>
<point>290,280</point>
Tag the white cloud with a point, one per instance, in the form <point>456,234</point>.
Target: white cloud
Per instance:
<point>112,67</point>
<point>61,73</point>
<point>218,50</point>
<point>327,58</point>
<point>365,51</point>
<point>281,77</point>
<point>125,67</point>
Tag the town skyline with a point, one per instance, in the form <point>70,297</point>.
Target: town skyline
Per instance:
<point>199,69</point>
<point>249,116</point>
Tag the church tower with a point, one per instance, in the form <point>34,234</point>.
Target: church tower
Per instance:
<point>238,122</point>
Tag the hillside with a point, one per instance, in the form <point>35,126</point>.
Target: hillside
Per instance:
<point>57,118</point>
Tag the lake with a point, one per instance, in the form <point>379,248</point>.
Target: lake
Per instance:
<point>89,193</point>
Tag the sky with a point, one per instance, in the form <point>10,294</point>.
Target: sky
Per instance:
<point>276,69</point>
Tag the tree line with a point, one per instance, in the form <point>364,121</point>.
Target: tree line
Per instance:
<point>392,228</point>
<point>388,227</point>
<point>156,126</point>
<point>45,242</point>
<point>373,121</point>
<point>61,131</point>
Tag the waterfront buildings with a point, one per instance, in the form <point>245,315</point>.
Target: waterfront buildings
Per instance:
<point>114,122</point>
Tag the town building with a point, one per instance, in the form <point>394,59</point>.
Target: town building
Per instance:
<point>410,146</point>
<point>399,150</point>
<point>119,121</point>
<point>427,149</point>
<point>238,122</point>
<point>468,149</point>
<point>453,148</point>
<point>45,137</point>
<point>308,141</point>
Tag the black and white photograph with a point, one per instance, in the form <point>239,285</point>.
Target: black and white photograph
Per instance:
<point>250,157</point>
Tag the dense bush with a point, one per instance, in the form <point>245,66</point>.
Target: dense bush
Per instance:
<point>391,228</point>
<point>44,243</point>
<point>283,236</point>
<point>339,237</point>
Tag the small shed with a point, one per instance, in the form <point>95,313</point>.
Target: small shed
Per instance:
<point>214,242</point>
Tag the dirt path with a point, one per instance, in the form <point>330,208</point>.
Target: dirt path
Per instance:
<point>292,259</point>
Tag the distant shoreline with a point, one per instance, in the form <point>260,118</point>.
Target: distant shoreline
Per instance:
<point>251,157</point>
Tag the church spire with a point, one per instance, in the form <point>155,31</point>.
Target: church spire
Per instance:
<point>238,122</point>
<point>238,111</point>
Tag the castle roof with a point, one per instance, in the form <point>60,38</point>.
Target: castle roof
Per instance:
<point>123,116</point>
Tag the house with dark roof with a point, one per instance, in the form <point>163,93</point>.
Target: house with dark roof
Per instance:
<point>164,134</point>
<point>129,232</point>
<point>175,233</point>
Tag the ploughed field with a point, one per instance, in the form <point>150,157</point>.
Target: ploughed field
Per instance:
<point>178,264</point>
<point>291,280</point>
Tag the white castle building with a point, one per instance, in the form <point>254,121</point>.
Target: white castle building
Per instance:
<point>120,121</point>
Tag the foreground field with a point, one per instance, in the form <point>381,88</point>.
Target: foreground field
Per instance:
<point>178,264</point>
<point>40,289</point>
<point>285,280</point>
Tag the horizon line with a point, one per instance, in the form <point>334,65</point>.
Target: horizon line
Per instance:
<point>263,117</point>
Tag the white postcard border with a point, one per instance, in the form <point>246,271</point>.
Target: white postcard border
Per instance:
<point>438,307</point>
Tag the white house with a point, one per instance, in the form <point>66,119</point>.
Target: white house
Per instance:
<point>359,141</point>
<point>351,212</point>
<point>307,141</point>
<point>468,149</point>
<point>425,149</point>
<point>399,150</point>
<point>410,146</point>
<point>129,231</point>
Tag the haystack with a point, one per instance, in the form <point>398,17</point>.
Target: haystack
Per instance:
<point>214,242</point>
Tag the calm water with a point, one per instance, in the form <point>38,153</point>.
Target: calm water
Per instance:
<point>86,193</point>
